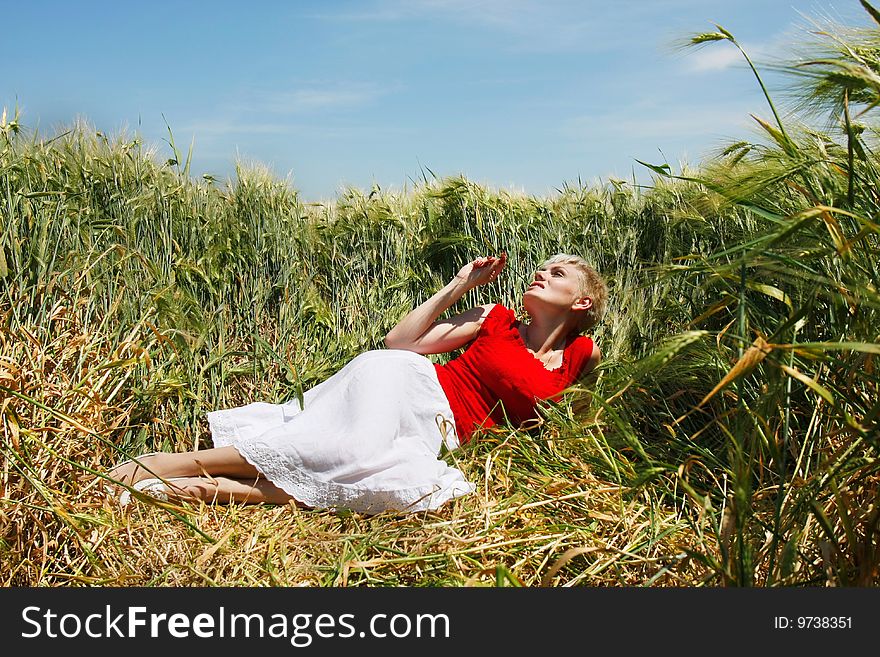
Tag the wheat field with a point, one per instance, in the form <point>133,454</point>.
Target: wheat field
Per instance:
<point>729,438</point>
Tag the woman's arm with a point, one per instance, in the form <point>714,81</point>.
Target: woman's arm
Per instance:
<point>593,361</point>
<point>422,332</point>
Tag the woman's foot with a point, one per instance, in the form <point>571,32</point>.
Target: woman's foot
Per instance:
<point>213,490</point>
<point>134,470</point>
<point>238,479</point>
<point>163,491</point>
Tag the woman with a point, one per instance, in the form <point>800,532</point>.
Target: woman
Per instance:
<point>368,438</point>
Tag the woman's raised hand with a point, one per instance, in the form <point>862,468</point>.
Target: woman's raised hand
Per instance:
<point>482,270</point>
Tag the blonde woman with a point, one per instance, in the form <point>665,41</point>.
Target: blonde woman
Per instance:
<point>369,437</point>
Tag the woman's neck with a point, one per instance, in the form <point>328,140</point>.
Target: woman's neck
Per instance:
<point>543,337</point>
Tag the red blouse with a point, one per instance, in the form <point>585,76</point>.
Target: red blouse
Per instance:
<point>497,374</point>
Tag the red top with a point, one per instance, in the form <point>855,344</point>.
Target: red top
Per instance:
<point>498,367</point>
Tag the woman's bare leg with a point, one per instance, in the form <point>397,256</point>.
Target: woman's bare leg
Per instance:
<point>221,462</point>
<point>223,490</point>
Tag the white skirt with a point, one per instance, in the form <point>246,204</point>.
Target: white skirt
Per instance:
<point>367,439</point>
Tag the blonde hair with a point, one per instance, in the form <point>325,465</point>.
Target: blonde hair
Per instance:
<point>591,285</point>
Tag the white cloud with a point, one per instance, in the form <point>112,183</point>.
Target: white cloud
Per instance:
<point>492,12</point>
<point>226,126</point>
<point>649,125</point>
<point>532,25</point>
<point>720,55</point>
<point>213,129</point>
<point>714,57</point>
<point>307,98</point>
<point>256,112</point>
<point>505,14</point>
<point>304,100</point>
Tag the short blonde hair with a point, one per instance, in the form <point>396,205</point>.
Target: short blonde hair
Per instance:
<point>592,285</point>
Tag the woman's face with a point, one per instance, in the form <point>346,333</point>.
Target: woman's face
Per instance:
<point>555,286</point>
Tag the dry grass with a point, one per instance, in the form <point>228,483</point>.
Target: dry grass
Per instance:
<point>69,397</point>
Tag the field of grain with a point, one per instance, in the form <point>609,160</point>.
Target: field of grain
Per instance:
<point>730,436</point>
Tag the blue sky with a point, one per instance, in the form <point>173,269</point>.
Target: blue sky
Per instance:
<point>522,95</point>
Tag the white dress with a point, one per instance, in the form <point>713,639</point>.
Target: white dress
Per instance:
<point>366,439</point>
